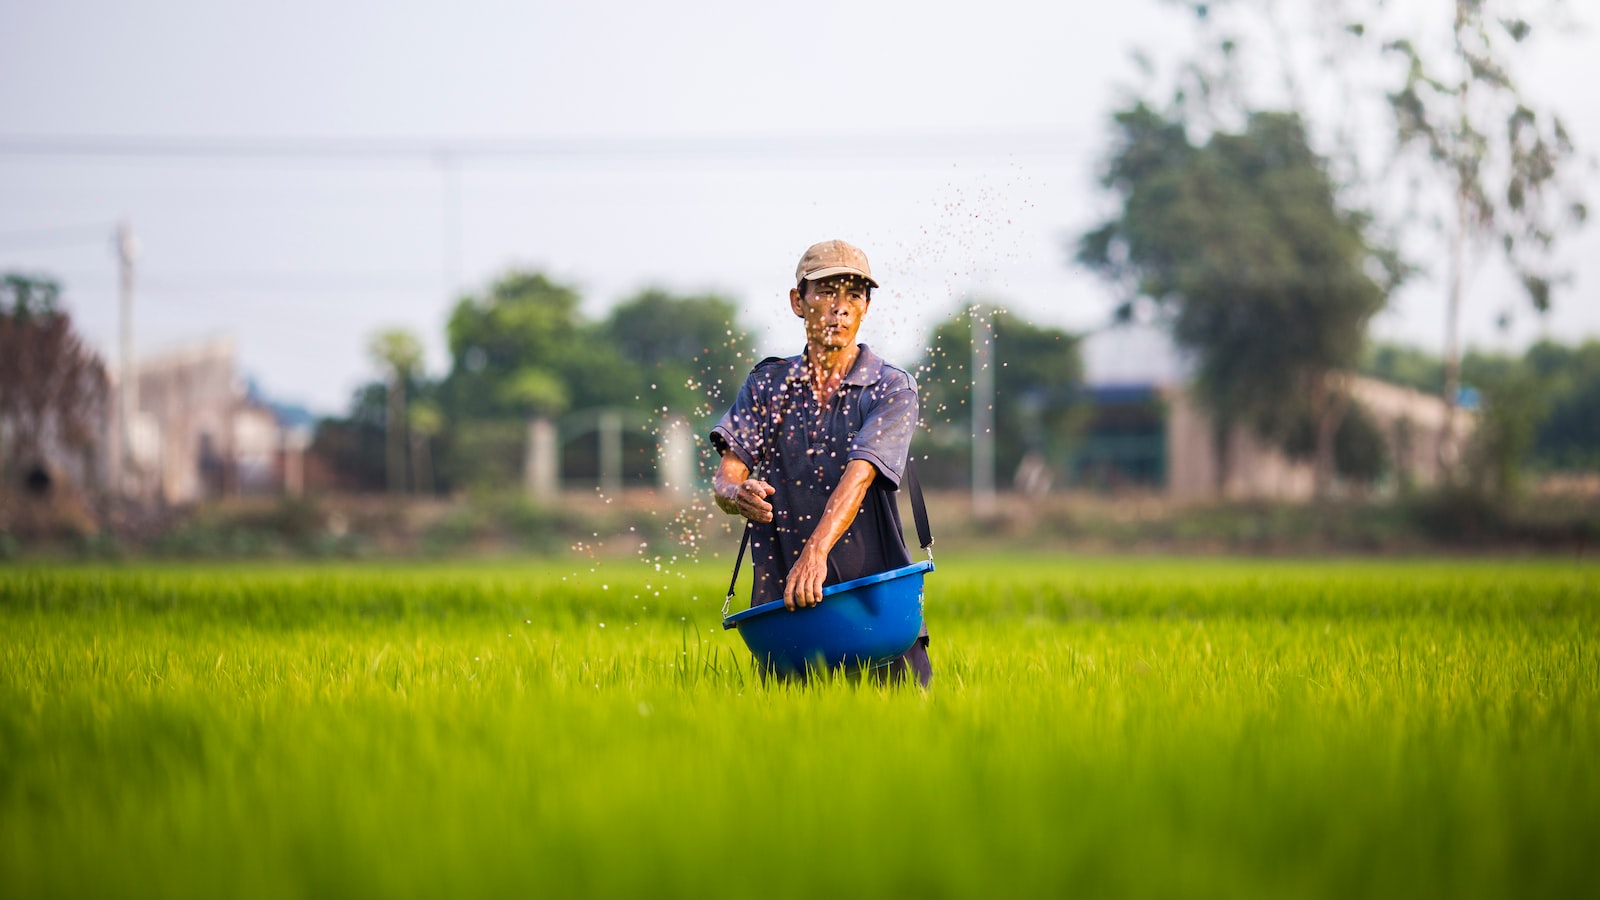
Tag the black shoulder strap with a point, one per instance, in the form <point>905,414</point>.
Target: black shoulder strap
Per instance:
<point>734,581</point>
<point>919,512</point>
<point>919,509</point>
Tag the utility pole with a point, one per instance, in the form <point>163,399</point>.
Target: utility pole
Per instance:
<point>983,499</point>
<point>610,424</point>
<point>128,393</point>
<point>541,466</point>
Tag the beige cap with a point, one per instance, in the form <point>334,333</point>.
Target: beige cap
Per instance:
<point>833,258</point>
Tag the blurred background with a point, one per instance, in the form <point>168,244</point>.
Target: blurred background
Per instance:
<point>373,279</point>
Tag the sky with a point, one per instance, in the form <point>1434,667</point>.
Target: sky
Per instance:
<point>696,146</point>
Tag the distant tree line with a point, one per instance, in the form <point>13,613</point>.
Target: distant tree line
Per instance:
<point>1240,226</point>
<point>1038,403</point>
<point>1544,405</point>
<point>54,392</point>
<point>523,349</point>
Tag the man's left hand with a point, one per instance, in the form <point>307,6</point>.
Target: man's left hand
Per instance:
<point>804,585</point>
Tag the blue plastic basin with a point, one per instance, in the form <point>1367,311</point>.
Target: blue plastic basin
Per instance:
<point>859,624</point>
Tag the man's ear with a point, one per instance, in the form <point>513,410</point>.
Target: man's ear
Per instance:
<point>795,304</point>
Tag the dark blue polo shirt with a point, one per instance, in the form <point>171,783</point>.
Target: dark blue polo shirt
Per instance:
<point>777,429</point>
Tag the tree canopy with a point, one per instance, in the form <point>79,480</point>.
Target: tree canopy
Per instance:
<point>54,392</point>
<point>688,351</point>
<point>524,349</point>
<point>1037,377</point>
<point>1550,395</point>
<point>1241,246</point>
<point>511,351</point>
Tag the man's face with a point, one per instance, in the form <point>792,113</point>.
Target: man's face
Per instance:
<point>832,308</point>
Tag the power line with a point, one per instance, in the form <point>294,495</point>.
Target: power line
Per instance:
<point>227,283</point>
<point>310,282</point>
<point>72,235</point>
<point>874,147</point>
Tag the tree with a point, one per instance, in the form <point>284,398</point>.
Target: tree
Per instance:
<point>354,448</point>
<point>1038,374</point>
<point>1360,452</point>
<point>687,349</point>
<point>1403,365</point>
<point>510,350</point>
<point>519,351</point>
<point>1514,402</point>
<point>1241,245</point>
<point>1502,159</point>
<point>1540,410</point>
<point>54,392</point>
<point>1569,437</point>
<point>1485,165</point>
<point>399,354</point>
<point>425,422</point>
<point>523,350</point>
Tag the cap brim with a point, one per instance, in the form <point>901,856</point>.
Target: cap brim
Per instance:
<point>831,271</point>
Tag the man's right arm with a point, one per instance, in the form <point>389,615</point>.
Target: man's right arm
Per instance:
<point>738,494</point>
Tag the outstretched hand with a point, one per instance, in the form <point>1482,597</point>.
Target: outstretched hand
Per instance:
<point>749,499</point>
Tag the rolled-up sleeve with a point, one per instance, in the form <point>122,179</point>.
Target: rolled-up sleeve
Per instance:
<point>739,429</point>
<point>885,435</point>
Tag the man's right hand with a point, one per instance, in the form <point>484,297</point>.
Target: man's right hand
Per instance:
<point>737,493</point>
<point>748,498</point>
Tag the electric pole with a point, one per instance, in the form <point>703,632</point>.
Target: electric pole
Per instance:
<point>983,500</point>
<point>128,393</point>
<point>610,424</point>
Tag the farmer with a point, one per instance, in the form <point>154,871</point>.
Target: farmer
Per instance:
<point>815,445</point>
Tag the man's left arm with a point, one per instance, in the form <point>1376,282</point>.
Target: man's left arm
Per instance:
<point>877,450</point>
<point>804,584</point>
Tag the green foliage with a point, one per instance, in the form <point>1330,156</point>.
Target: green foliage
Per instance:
<point>1504,160</point>
<point>484,453</point>
<point>287,527</point>
<point>22,296</point>
<point>1403,365</point>
<point>1360,452</point>
<point>1037,377</point>
<point>525,331</point>
<point>397,351</point>
<point>524,349</point>
<point>1242,243</point>
<point>354,448</point>
<point>54,392</point>
<point>1514,403</point>
<point>1104,728</point>
<point>1542,409</point>
<point>505,521</point>
<point>690,351</point>
<point>1569,436</point>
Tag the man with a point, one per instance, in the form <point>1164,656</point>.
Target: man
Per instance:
<point>815,445</point>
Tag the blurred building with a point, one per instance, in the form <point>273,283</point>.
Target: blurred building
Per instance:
<point>1147,431</point>
<point>201,432</point>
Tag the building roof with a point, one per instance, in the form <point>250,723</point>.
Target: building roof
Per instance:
<point>1132,354</point>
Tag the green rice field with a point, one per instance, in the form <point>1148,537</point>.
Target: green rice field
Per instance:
<point>1097,727</point>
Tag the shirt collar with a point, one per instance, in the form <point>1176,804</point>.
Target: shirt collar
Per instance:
<point>865,372</point>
